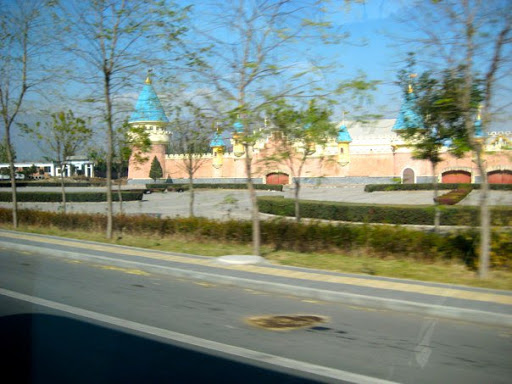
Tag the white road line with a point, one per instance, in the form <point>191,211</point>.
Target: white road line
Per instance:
<point>326,372</point>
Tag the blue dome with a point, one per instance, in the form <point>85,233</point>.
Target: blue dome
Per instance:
<point>217,140</point>
<point>238,126</point>
<point>148,107</point>
<point>343,135</point>
<point>408,116</point>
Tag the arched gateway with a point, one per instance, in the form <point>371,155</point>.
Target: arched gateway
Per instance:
<point>456,177</point>
<point>500,177</point>
<point>408,176</point>
<point>277,178</point>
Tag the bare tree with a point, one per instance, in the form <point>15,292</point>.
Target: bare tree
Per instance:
<point>190,140</point>
<point>298,133</point>
<point>62,137</point>
<point>503,38</point>
<point>20,71</point>
<point>250,60</point>
<point>472,37</point>
<point>113,39</point>
<point>130,142</point>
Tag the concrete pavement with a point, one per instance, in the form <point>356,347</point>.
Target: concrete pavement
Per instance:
<point>484,306</point>
<point>223,204</point>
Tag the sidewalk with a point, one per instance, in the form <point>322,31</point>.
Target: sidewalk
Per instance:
<point>483,306</point>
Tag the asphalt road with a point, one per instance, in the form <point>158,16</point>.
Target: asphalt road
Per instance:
<point>76,321</point>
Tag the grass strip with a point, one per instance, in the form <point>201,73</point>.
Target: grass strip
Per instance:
<point>442,271</point>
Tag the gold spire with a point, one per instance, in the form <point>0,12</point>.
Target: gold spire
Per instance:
<point>412,76</point>
<point>479,115</point>
<point>148,77</point>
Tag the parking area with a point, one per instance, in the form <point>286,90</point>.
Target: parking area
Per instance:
<point>223,204</point>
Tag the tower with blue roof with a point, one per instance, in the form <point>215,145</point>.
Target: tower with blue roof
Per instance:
<point>408,117</point>
<point>238,132</point>
<point>217,145</point>
<point>149,114</point>
<point>343,139</point>
<point>479,135</point>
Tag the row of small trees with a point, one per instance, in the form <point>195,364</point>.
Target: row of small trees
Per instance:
<point>243,56</point>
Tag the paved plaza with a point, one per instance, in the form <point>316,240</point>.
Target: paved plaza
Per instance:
<point>223,204</point>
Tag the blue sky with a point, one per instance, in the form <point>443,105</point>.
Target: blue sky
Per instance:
<point>373,23</point>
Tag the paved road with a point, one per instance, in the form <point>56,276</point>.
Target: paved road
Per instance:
<point>77,320</point>
<point>235,203</point>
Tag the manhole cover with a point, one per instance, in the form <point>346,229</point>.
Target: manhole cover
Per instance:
<point>285,322</point>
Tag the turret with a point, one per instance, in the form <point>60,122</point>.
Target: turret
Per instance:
<point>238,146</point>
<point>408,117</point>
<point>217,146</point>
<point>479,135</point>
<point>149,115</point>
<point>343,141</point>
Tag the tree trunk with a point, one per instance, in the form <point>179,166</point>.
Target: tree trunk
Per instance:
<point>485,219</point>
<point>437,210</point>
<point>255,213</point>
<point>297,203</point>
<point>13,177</point>
<point>191,194</point>
<point>108,104</point>
<point>62,188</point>
<point>119,194</point>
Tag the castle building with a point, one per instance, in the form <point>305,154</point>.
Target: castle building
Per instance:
<point>360,153</point>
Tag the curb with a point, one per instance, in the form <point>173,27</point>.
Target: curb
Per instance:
<point>453,313</point>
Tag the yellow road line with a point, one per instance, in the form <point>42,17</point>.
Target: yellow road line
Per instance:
<point>312,276</point>
<point>124,270</point>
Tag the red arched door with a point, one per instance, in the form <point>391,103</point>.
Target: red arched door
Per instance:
<point>278,178</point>
<point>500,177</point>
<point>457,177</point>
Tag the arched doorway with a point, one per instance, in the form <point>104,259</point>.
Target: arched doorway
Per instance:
<point>500,177</point>
<point>277,178</point>
<point>408,176</point>
<point>456,177</point>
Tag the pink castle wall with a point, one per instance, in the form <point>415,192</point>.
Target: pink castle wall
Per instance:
<point>361,165</point>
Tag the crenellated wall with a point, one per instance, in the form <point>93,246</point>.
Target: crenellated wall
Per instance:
<point>370,152</point>
<point>374,165</point>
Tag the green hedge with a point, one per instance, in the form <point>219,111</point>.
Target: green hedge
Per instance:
<point>25,183</point>
<point>166,187</point>
<point>430,187</point>
<point>377,241</point>
<point>169,187</point>
<point>76,197</point>
<point>389,214</point>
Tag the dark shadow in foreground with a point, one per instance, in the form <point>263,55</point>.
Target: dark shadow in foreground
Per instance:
<point>51,349</point>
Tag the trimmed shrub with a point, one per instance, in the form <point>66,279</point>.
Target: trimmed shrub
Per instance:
<point>166,187</point>
<point>377,241</point>
<point>386,214</point>
<point>75,197</point>
<point>37,183</point>
<point>177,187</point>
<point>268,187</point>
<point>430,187</point>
